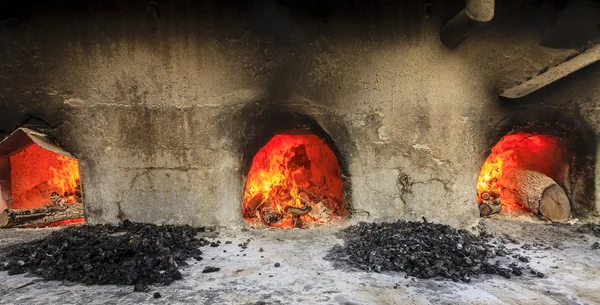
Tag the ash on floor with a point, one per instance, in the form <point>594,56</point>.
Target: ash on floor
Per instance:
<point>425,250</point>
<point>248,275</point>
<point>131,254</point>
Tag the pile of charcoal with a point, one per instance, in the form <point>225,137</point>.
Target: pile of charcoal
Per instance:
<point>423,250</point>
<point>130,254</point>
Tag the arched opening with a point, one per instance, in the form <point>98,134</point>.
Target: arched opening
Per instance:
<point>527,173</point>
<point>294,181</point>
<point>39,183</point>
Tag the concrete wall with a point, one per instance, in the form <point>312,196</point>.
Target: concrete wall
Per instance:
<point>148,96</point>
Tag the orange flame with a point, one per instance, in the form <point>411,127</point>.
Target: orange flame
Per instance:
<point>520,150</point>
<point>288,165</point>
<point>61,223</point>
<point>37,173</point>
<point>66,178</point>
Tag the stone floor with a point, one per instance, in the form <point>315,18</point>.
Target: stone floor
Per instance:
<point>249,276</point>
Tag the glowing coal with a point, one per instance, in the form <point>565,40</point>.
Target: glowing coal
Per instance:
<point>520,151</point>
<point>294,180</point>
<point>45,189</point>
<point>36,173</point>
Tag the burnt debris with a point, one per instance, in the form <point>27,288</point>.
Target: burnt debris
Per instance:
<point>210,269</point>
<point>129,254</point>
<point>423,250</point>
<point>590,228</point>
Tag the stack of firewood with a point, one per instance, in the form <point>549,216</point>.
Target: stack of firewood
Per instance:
<point>490,204</point>
<point>265,210</point>
<point>57,210</point>
<point>532,190</point>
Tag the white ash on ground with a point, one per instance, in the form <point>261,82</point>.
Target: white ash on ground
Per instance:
<point>248,275</point>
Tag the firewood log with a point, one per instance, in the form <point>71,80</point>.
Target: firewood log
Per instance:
<point>40,216</point>
<point>485,196</point>
<point>489,207</point>
<point>269,215</point>
<point>296,222</point>
<point>57,199</point>
<point>253,204</point>
<point>536,192</point>
<point>297,211</point>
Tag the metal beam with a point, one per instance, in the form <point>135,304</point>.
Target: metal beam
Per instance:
<point>586,58</point>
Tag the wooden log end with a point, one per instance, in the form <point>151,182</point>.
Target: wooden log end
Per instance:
<point>485,196</point>
<point>490,207</point>
<point>538,193</point>
<point>554,204</point>
<point>4,219</point>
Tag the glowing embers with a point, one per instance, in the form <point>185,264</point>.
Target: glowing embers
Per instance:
<point>45,189</point>
<point>36,173</point>
<point>523,172</point>
<point>294,181</point>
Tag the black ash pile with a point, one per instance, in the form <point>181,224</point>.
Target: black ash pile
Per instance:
<point>590,228</point>
<point>424,250</point>
<point>130,254</point>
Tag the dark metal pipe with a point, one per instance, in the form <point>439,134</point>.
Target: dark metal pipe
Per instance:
<point>475,14</point>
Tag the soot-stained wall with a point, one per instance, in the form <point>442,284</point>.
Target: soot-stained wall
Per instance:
<point>154,97</point>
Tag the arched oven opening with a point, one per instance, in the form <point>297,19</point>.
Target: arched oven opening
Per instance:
<point>294,175</point>
<point>539,170</point>
<point>40,185</point>
<point>294,181</point>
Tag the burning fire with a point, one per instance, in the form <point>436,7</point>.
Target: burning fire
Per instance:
<point>62,223</point>
<point>294,179</point>
<point>520,150</point>
<point>36,173</point>
<point>66,179</point>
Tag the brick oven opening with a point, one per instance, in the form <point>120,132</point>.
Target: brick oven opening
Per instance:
<point>40,184</point>
<point>526,173</point>
<point>294,181</point>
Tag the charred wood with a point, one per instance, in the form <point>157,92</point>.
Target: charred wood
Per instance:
<point>40,216</point>
<point>297,211</point>
<point>253,204</point>
<point>297,222</point>
<point>269,215</point>
<point>490,207</point>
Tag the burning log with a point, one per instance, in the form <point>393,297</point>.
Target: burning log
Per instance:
<point>297,222</point>
<point>57,199</point>
<point>536,192</point>
<point>269,215</point>
<point>253,204</point>
<point>490,204</point>
<point>297,211</point>
<point>11,218</point>
<point>489,207</point>
<point>485,196</point>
